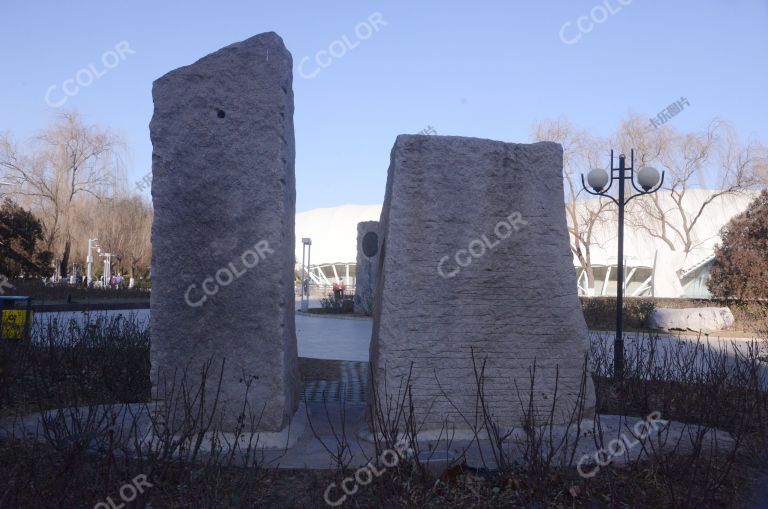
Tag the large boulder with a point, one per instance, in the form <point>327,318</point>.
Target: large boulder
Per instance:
<point>475,259</point>
<point>695,319</point>
<point>223,190</point>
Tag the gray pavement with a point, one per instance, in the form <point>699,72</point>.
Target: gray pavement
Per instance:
<point>318,337</point>
<point>324,337</point>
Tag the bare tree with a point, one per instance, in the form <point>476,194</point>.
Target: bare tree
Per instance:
<point>66,162</point>
<point>580,153</point>
<point>123,226</point>
<point>689,161</point>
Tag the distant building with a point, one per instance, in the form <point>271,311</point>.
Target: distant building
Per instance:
<point>334,241</point>
<point>652,267</point>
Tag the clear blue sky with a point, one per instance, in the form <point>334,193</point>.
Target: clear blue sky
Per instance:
<point>484,68</point>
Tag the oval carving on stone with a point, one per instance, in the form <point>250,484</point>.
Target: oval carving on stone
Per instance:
<point>370,244</point>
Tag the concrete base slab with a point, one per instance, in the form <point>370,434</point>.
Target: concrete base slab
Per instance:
<point>134,424</point>
<point>317,429</point>
<point>225,442</point>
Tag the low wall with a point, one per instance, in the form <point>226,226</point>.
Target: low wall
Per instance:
<point>41,293</point>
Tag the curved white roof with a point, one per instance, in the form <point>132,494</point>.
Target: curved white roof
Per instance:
<point>640,247</point>
<point>334,230</point>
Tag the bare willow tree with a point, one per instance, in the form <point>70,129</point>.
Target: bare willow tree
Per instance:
<point>581,152</point>
<point>65,163</point>
<point>124,227</point>
<point>714,158</point>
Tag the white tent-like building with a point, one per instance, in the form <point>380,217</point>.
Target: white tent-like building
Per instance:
<point>653,268</point>
<point>334,240</point>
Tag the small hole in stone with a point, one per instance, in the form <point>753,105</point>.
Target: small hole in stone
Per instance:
<point>220,113</point>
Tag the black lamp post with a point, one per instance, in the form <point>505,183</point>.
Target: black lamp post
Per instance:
<point>598,179</point>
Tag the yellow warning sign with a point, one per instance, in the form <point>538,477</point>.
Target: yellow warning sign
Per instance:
<point>13,323</point>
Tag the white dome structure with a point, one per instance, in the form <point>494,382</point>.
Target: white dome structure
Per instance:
<point>333,232</point>
<point>650,262</point>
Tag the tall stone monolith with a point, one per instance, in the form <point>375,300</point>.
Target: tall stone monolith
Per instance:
<point>475,258</point>
<point>367,267</point>
<point>223,190</point>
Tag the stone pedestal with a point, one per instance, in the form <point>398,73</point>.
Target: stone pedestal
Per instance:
<point>475,258</point>
<point>223,234</point>
<point>367,268</point>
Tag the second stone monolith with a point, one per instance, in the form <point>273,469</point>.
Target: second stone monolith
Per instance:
<point>476,286</point>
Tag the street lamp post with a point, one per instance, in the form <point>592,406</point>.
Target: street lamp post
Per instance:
<point>306,248</point>
<point>650,182</point>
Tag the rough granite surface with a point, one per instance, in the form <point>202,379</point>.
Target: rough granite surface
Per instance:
<point>367,267</point>
<point>223,190</point>
<point>462,272</point>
